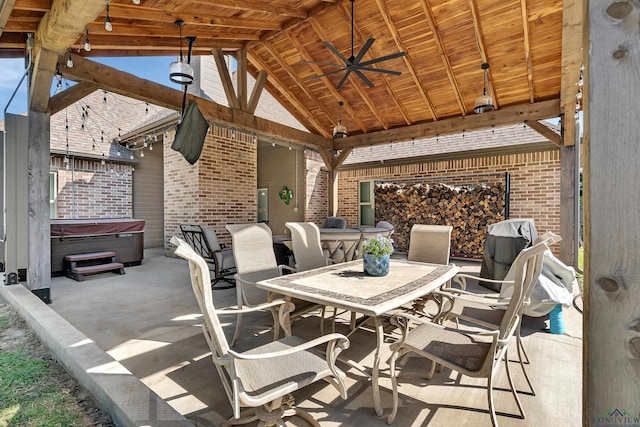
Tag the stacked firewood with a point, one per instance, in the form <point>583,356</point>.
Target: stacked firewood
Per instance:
<point>469,209</point>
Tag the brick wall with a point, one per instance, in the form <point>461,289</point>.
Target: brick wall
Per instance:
<point>316,189</point>
<point>535,183</point>
<point>218,189</point>
<point>89,189</point>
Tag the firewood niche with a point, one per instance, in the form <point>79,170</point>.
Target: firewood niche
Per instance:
<point>468,203</point>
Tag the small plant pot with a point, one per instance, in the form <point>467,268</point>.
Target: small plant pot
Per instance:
<point>374,266</point>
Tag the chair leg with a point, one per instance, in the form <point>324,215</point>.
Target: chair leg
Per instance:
<point>513,388</point>
<point>492,410</point>
<point>394,386</point>
<point>522,352</point>
<point>246,417</point>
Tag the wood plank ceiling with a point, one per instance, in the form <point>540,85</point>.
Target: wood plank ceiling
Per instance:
<point>445,42</point>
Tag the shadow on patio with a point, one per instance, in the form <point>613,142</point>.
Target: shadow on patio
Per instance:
<point>148,320</point>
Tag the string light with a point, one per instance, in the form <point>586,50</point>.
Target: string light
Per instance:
<point>107,20</point>
<point>104,98</point>
<point>136,2</point>
<point>69,59</point>
<point>146,110</point>
<point>87,43</point>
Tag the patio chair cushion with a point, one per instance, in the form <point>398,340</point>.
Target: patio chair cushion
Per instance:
<point>225,256</point>
<point>335,222</point>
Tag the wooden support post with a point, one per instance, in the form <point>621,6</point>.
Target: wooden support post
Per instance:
<point>39,272</point>
<point>612,232</point>
<point>567,201</point>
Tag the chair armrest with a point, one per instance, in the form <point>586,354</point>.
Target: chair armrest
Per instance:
<point>283,267</point>
<point>261,307</point>
<point>471,297</point>
<point>336,338</point>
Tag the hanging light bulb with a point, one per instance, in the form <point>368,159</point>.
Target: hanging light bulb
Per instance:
<point>180,71</point>
<point>136,1</point>
<point>484,103</point>
<point>104,98</point>
<point>69,60</point>
<point>340,130</point>
<point>141,153</point>
<point>59,79</point>
<point>87,43</point>
<point>107,20</point>
<point>151,147</point>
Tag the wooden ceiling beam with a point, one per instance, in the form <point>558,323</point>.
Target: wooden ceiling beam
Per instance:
<point>477,28</point>
<point>347,106</point>
<point>70,95</point>
<point>241,78</point>
<point>256,6</point>
<point>170,14</point>
<point>361,91</point>
<point>407,60</point>
<point>544,131</point>
<point>295,103</point>
<point>573,12</point>
<point>126,84</point>
<point>20,27</point>
<point>107,42</point>
<point>166,30</point>
<point>504,116</point>
<point>58,30</point>
<point>527,49</point>
<point>428,12</point>
<point>225,77</point>
<point>258,88</point>
<point>339,160</point>
<point>6,6</point>
<point>33,5</point>
<point>294,76</point>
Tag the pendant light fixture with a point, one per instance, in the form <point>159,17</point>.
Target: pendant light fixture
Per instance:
<point>484,103</point>
<point>340,130</point>
<point>87,43</point>
<point>180,71</point>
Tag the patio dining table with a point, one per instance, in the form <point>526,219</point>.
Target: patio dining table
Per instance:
<point>346,286</point>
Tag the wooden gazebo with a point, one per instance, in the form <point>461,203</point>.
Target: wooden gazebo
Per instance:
<point>535,50</point>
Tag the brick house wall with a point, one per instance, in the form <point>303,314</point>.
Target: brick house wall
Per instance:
<point>219,189</point>
<point>535,183</point>
<point>316,189</point>
<point>89,189</point>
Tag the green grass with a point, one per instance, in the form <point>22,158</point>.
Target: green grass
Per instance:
<point>30,393</point>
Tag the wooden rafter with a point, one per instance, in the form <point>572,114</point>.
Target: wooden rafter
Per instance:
<point>70,95</point>
<point>20,27</point>
<point>339,160</point>
<point>281,87</point>
<point>257,6</point>
<point>527,48</point>
<point>544,131</point>
<point>295,22</point>
<point>294,76</point>
<point>428,12</point>
<point>347,107</point>
<point>477,28</point>
<point>126,84</point>
<point>170,13</point>
<point>505,116</point>
<point>412,69</point>
<point>33,5</point>
<point>102,42</point>
<point>5,10</point>
<point>169,30</point>
<point>258,88</point>
<point>375,52</point>
<point>225,78</point>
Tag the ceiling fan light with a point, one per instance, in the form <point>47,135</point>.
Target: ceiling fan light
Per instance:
<point>339,130</point>
<point>483,104</point>
<point>181,72</point>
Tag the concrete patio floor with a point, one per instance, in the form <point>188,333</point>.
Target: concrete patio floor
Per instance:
<point>148,320</point>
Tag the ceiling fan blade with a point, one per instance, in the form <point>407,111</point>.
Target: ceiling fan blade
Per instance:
<point>380,70</point>
<point>363,77</point>
<point>343,79</point>
<point>327,73</point>
<point>364,49</point>
<point>382,58</point>
<point>329,64</point>
<point>336,52</point>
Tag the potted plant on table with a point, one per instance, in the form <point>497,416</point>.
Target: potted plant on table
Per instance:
<point>376,254</point>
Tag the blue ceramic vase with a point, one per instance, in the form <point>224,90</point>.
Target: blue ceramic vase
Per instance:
<point>376,266</point>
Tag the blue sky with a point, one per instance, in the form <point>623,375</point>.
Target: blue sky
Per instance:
<point>150,68</point>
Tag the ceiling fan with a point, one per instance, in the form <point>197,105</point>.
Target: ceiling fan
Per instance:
<point>353,64</point>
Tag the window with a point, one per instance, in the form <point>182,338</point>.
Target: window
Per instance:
<point>367,207</point>
<point>53,195</point>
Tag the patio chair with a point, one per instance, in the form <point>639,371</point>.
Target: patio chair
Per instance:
<point>335,222</point>
<point>263,377</point>
<point>220,259</point>
<point>255,260</point>
<point>471,353</point>
<point>488,309</point>
<point>430,244</point>
<point>307,247</point>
